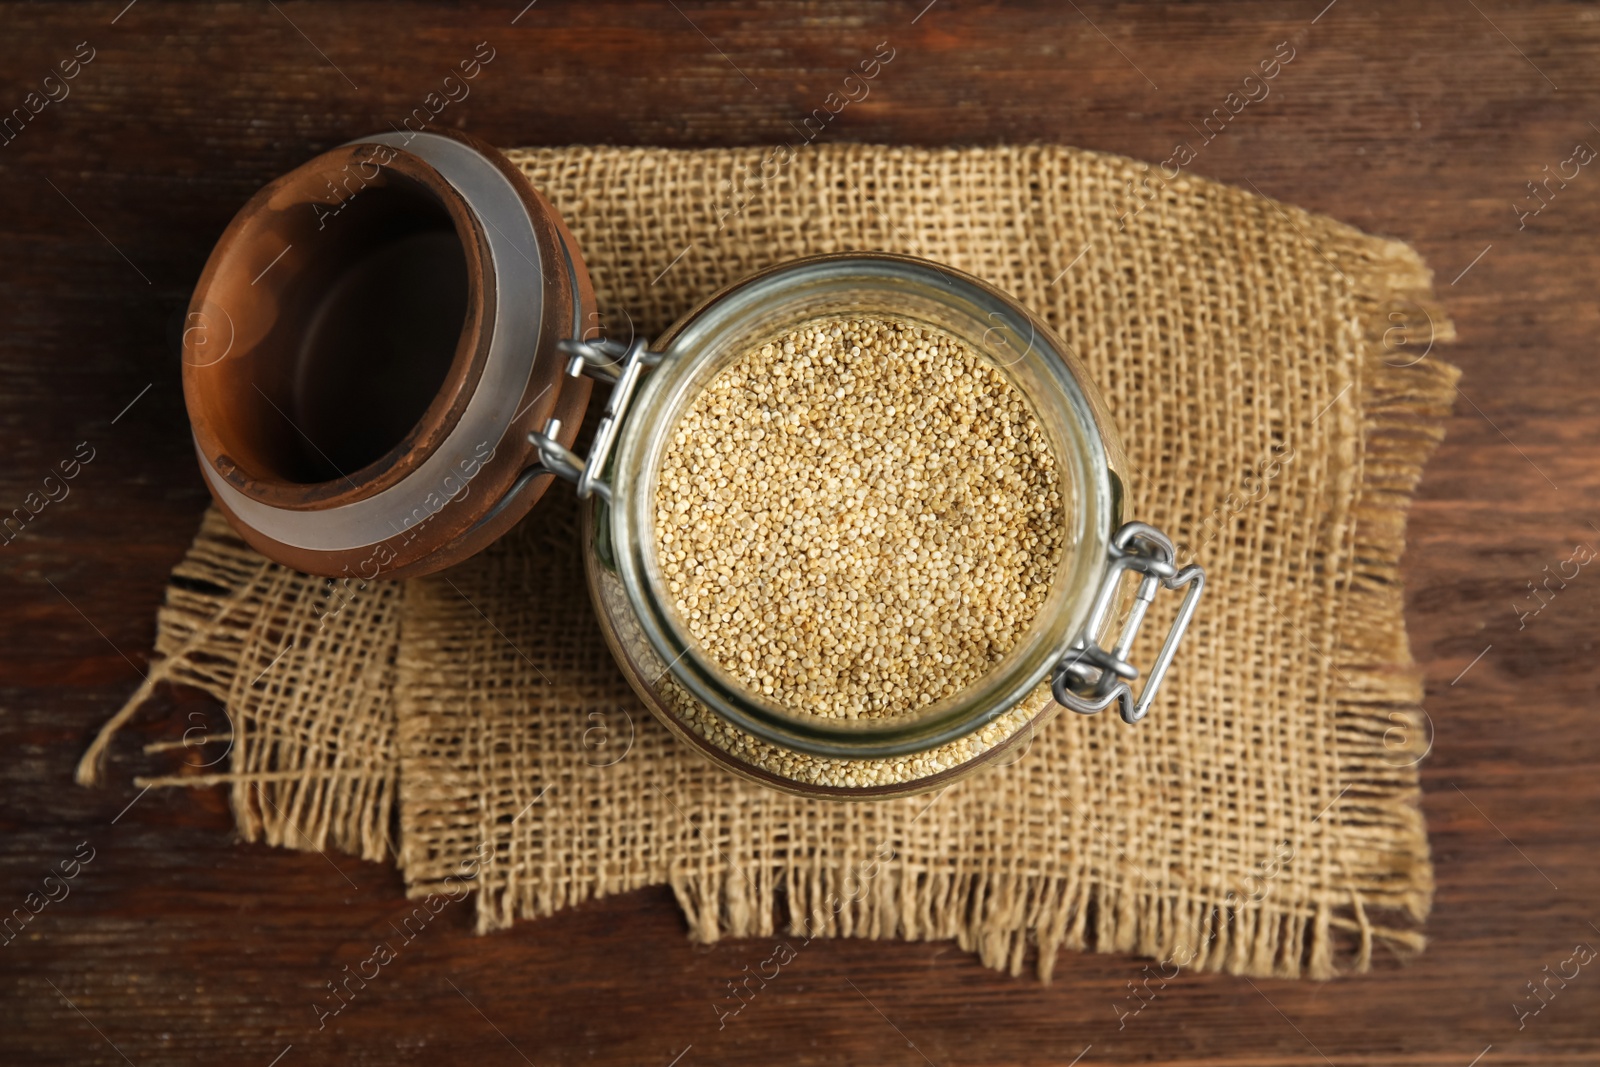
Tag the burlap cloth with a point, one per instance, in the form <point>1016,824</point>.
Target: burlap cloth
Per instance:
<point>1262,820</point>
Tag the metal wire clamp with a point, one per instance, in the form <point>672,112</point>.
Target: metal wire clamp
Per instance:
<point>1089,678</point>
<point>620,364</point>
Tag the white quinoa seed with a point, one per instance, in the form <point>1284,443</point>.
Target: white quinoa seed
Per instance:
<point>857,520</point>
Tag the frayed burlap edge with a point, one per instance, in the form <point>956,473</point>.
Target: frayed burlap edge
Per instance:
<point>303,669</point>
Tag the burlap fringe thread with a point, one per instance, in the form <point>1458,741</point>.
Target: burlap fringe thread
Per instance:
<point>312,764</point>
<point>313,747</point>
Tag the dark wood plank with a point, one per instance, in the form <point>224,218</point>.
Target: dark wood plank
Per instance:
<point>1421,121</point>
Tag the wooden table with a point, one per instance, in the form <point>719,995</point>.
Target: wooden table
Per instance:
<point>177,945</point>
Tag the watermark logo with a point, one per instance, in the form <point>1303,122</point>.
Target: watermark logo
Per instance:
<point>1409,336</point>
<point>208,335</point>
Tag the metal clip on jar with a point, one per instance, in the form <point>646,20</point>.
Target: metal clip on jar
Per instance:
<point>385,368</point>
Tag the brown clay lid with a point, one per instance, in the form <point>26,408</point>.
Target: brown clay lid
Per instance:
<point>370,343</point>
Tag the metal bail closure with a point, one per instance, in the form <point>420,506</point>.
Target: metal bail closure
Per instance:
<point>1089,677</point>
<point>609,361</point>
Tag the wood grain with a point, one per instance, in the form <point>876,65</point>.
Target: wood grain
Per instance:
<point>1420,121</point>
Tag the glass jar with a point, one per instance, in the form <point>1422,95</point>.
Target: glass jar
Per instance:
<point>754,736</point>
<point>1108,572</point>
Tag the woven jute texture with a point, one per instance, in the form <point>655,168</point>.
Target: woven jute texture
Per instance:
<point>1263,366</point>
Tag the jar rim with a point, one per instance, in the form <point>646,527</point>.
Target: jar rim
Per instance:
<point>707,335</point>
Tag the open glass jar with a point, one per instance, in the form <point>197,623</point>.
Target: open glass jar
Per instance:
<point>1074,652</point>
